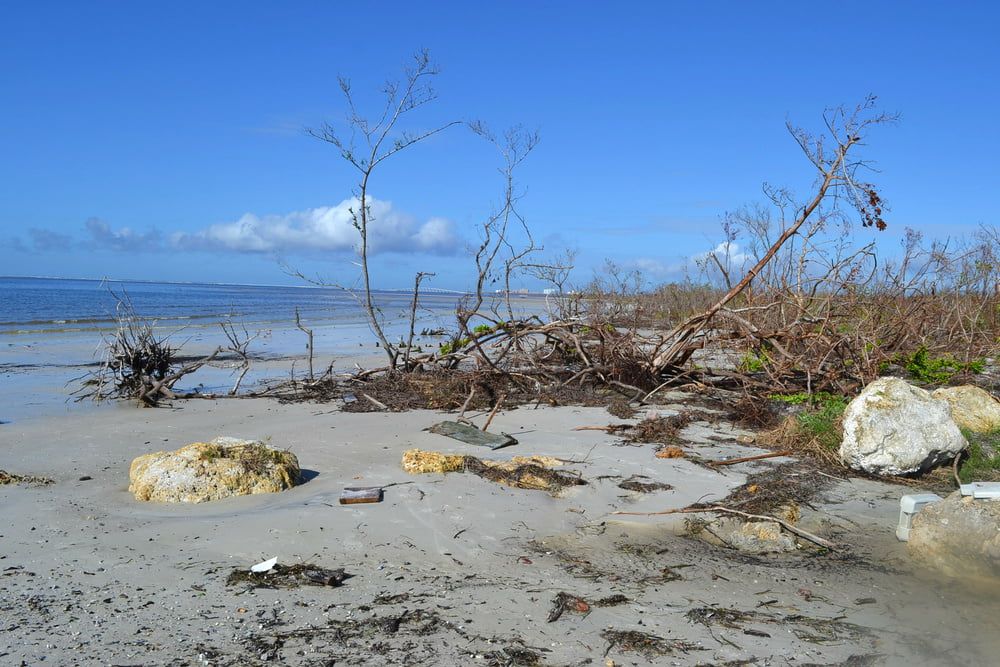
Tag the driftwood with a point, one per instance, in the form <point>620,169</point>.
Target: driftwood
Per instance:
<point>815,539</point>
<point>744,459</point>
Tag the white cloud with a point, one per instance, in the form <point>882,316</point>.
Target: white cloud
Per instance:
<point>726,250</point>
<point>328,228</point>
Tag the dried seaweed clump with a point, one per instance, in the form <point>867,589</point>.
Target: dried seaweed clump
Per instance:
<point>649,646</point>
<point>288,576</point>
<point>533,472</point>
<point>12,478</point>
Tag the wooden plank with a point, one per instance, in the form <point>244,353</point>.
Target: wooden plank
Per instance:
<point>355,495</point>
<point>472,435</point>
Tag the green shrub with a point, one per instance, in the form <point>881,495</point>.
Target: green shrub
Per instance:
<point>983,458</point>
<point>923,366</point>
<point>823,423</point>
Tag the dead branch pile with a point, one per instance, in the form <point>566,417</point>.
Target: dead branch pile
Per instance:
<point>138,362</point>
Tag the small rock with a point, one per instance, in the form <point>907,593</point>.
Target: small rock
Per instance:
<point>752,537</point>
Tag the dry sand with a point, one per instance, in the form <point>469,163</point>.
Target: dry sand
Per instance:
<point>449,569</point>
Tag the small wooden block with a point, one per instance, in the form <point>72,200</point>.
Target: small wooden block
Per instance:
<point>367,494</point>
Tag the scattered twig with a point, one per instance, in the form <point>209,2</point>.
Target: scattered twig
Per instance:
<point>744,459</point>
<point>815,539</point>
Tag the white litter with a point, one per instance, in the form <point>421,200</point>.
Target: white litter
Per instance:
<point>909,505</point>
<point>265,566</point>
<point>981,490</point>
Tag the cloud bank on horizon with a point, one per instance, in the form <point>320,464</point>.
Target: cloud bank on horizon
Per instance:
<point>320,229</point>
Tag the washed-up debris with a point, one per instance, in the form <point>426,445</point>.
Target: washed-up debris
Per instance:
<point>11,478</point>
<point>815,539</point>
<point>360,495</point>
<point>532,472</point>
<point>611,601</point>
<point>635,483</point>
<point>670,452</point>
<point>745,459</point>
<point>472,435</point>
<point>564,602</point>
<point>650,646</point>
<point>287,576</point>
<point>264,566</point>
<point>806,628</point>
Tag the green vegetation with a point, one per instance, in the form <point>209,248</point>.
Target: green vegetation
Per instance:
<point>823,423</point>
<point>922,366</point>
<point>752,362</point>
<point>477,332</point>
<point>814,399</point>
<point>983,458</point>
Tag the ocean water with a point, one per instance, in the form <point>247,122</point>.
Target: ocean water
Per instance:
<point>51,332</point>
<point>39,305</point>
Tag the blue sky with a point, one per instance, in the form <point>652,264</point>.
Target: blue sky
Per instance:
<point>129,131</point>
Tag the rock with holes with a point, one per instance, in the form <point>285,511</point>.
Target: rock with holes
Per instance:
<point>894,428</point>
<point>972,408</point>
<point>213,470</point>
<point>751,537</point>
<point>958,536</point>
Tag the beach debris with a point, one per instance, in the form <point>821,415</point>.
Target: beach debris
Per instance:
<point>745,459</point>
<point>648,645</point>
<point>564,602</point>
<point>264,566</point>
<point>522,472</point>
<point>894,428</point>
<point>360,495</point>
<point>909,505</point>
<point>12,478</point>
<point>787,525</point>
<point>204,471</point>
<point>972,408</point>
<point>805,628</point>
<point>472,435</point>
<point>750,537</point>
<point>286,576</point>
<point>635,483</point>
<point>670,452</point>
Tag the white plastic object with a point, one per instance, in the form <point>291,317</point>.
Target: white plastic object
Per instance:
<point>909,505</point>
<point>265,566</point>
<point>981,490</point>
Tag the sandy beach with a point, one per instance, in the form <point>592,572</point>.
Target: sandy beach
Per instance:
<point>448,569</point>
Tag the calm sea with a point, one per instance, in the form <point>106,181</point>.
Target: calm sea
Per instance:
<point>37,305</point>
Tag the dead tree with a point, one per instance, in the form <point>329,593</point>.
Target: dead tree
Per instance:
<point>837,181</point>
<point>239,344</point>
<point>138,362</point>
<point>369,142</point>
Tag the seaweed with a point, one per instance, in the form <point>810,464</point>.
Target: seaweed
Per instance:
<point>648,645</point>
<point>633,483</point>
<point>12,478</point>
<point>288,576</point>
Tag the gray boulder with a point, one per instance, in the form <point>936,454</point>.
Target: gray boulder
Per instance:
<point>894,428</point>
<point>958,536</point>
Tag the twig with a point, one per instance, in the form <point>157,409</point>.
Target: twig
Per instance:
<point>378,404</point>
<point>465,406</point>
<point>815,539</point>
<point>489,420</point>
<point>744,459</point>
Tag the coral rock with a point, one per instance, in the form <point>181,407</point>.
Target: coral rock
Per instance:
<point>205,471</point>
